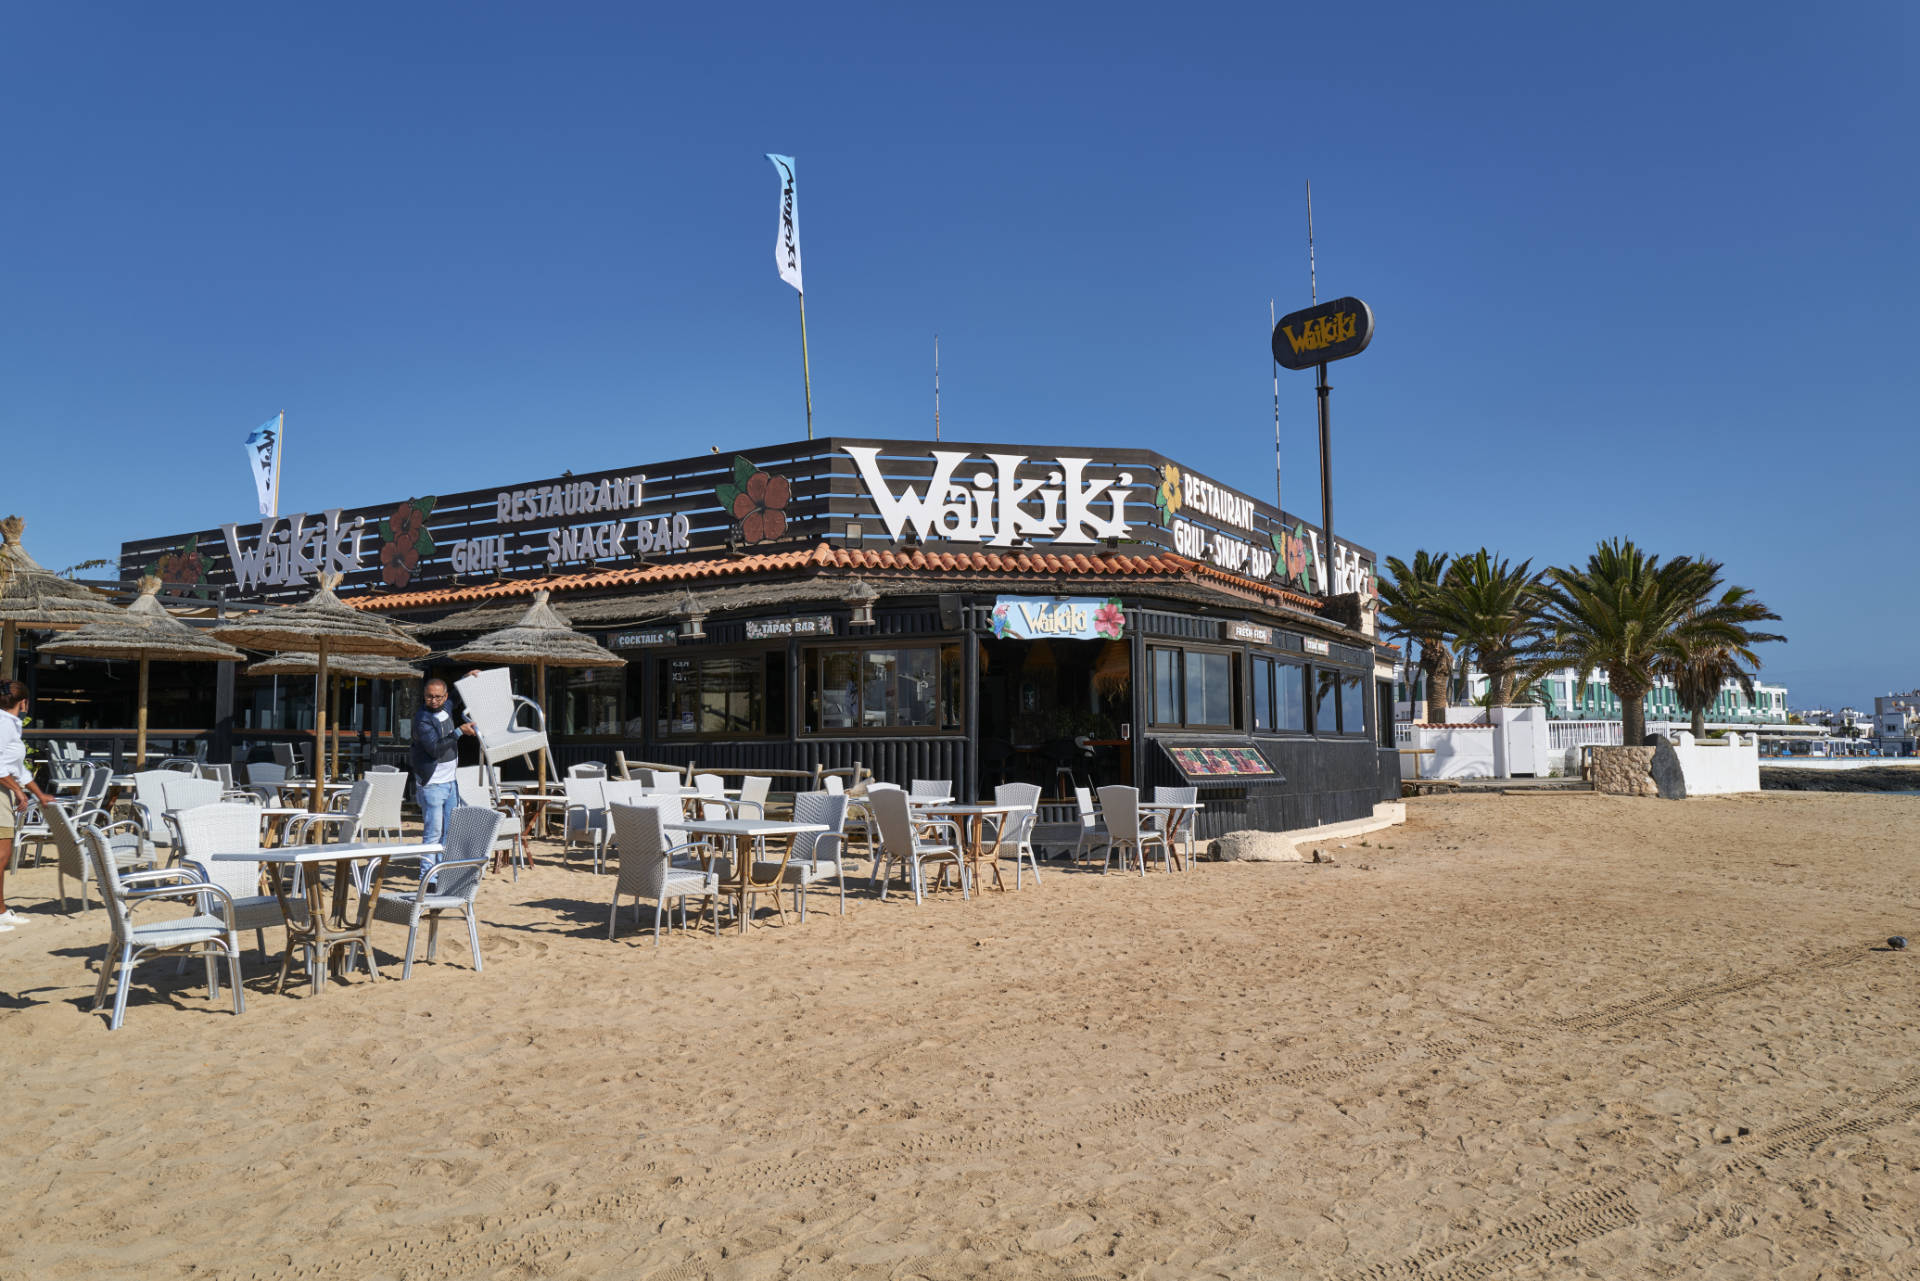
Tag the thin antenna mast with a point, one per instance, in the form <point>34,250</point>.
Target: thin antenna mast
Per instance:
<point>936,386</point>
<point>1313,282</point>
<point>1273,322</point>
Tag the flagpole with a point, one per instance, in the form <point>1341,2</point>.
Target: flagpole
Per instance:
<point>1272,323</point>
<point>806,363</point>
<point>279,463</point>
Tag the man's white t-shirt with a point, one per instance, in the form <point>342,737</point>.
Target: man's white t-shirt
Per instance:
<point>444,771</point>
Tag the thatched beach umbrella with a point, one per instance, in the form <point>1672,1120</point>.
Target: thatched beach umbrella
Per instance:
<point>325,627</point>
<point>353,667</point>
<point>544,639</point>
<point>38,599</point>
<point>144,631</point>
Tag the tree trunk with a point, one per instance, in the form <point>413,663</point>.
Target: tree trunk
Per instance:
<point>1699,722</point>
<point>1632,693</point>
<point>1500,687</point>
<point>1437,663</point>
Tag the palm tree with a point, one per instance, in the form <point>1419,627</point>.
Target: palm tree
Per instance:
<point>1492,608</point>
<point>1702,665</point>
<point>1407,599</point>
<point>1628,613</point>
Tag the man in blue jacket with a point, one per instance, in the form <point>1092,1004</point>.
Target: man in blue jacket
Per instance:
<point>436,754</point>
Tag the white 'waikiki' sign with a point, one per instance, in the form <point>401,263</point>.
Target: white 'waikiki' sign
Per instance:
<point>295,555</point>
<point>997,507</point>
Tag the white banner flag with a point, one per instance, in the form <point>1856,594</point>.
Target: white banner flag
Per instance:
<point>786,245</point>
<point>263,451</point>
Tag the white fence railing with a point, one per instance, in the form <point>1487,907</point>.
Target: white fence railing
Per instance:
<point>1562,735</point>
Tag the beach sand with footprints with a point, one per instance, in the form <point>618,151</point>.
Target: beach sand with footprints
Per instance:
<point>1540,1036</point>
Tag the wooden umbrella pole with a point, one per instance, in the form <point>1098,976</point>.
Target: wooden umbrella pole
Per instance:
<point>6,649</point>
<point>540,696</point>
<point>333,715</point>
<point>320,736</point>
<point>140,721</point>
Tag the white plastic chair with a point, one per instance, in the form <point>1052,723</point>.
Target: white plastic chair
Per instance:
<point>450,886</point>
<point>646,868</point>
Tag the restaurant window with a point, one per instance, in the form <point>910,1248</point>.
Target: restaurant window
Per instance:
<point>1195,688</point>
<point>587,700</point>
<point>1279,696</point>
<point>895,687</point>
<point>1353,703</point>
<point>744,694</point>
<point>1164,668</point>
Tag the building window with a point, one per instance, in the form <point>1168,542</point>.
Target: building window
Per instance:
<point>1279,696</point>
<point>588,700</point>
<point>898,687</point>
<point>706,695</point>
<point>1195,688</point>
<point>1164,665</point>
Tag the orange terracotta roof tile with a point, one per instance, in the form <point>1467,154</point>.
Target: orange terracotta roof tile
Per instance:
<point>1152,564</point>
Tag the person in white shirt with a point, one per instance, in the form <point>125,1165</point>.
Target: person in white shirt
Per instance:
<point>17,788</point>
<point>436,754</point>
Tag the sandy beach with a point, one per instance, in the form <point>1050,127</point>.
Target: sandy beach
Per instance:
<point>1542,1036</point>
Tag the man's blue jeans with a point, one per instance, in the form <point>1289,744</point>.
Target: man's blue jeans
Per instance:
<point>437,802</point>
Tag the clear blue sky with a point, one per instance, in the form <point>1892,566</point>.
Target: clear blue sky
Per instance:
<point>1638,269</point>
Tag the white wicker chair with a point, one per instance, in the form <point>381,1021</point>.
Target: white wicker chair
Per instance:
<point>1093,833</point>
<point>1160,821</point>
<point>586,815</point>
<point>476,792</point>
<point>232,829</point>
<point>935,789</point>
<point>495,711</point>
<point>906,841</point>
<point>341,824</point>
<point>817,856</point>
<point>206,934</point>
<point>1120,807</point>
<point>587,769</point>
<point>646,868</point>
<point>449,887</point>
<point>1017,832</point>
<point>381,817</point>
<point>122,840</point>
<point>753,795</point>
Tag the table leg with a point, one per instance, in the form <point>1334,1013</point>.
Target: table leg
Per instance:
<point>993,860</point>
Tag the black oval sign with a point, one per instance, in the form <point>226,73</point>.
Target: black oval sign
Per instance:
<point>1332,331</point>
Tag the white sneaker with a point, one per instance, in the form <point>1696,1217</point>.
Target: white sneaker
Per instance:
<point>4,927</point>
<point>11,918</point>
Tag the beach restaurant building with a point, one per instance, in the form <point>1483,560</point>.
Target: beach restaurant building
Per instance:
<point>978,613</point>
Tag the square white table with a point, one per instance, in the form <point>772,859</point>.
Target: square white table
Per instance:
<point>329,929</point>
<point>1175,812</point>
<point>741,885</point>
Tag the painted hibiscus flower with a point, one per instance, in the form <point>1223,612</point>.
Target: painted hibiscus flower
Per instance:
<point>757,501</point>
<point>1297,555</point>
<point>1108,620</point>
<point>1167,496</point>
<point>396,564</point>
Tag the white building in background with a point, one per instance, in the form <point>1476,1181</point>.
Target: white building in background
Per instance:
<point>1558,693</point>
<point>1896,722</point>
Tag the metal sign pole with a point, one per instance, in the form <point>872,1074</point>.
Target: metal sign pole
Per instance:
<point>1326,477</point>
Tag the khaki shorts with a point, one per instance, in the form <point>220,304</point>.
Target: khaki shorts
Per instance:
<point>6,815</point>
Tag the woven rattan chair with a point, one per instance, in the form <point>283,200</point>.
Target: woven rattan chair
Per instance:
<point>586,815</point>
<point>477,792</point>
<point>1162,821</point>
<point>449,887</point>
<point>753,796</point>
<point>646,867</point>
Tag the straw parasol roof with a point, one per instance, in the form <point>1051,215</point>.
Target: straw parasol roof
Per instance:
<point>143,630</point>
<point>541,637</point>
<point>321,623</point>
<point>325,627</point>
<point>34,597</point>
<point>366,667</point>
